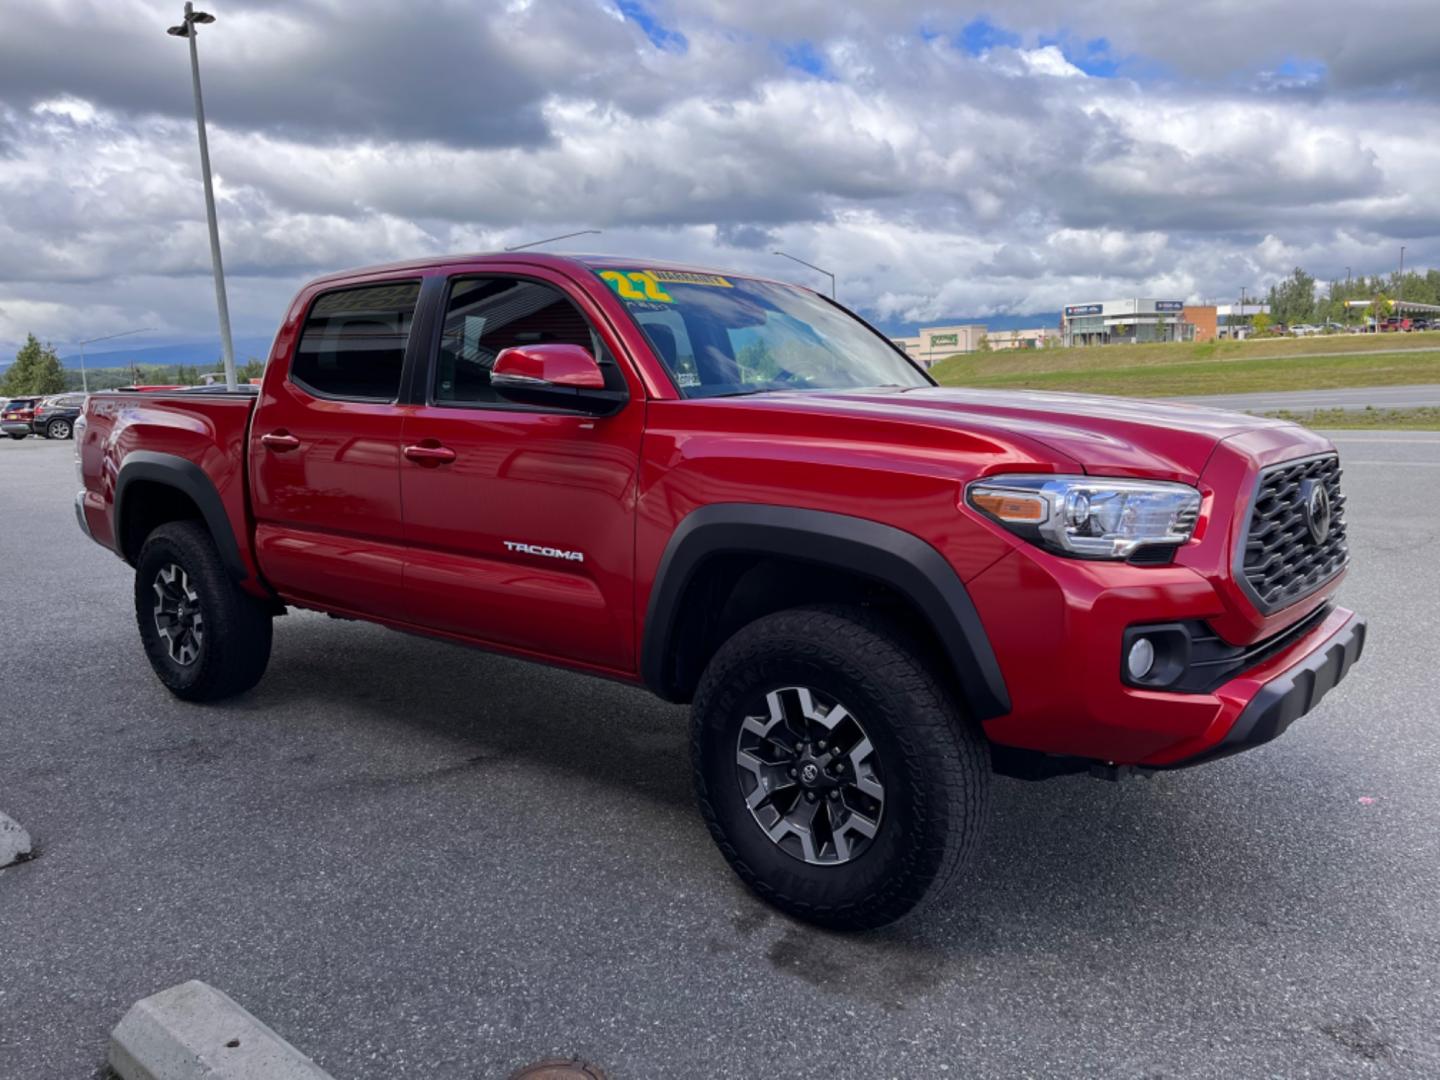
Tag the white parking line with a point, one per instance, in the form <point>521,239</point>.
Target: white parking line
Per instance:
<point>1335,436</point>
<point>1413,464</point>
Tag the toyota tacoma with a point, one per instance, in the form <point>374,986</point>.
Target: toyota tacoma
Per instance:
<point>873,591</point>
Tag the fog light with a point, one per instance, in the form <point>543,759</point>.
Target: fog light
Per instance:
<point>1141,658</point>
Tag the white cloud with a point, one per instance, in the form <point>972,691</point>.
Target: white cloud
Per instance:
<point>935,182</point>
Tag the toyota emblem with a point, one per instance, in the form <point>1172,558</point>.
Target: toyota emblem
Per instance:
<point>1316,500</point>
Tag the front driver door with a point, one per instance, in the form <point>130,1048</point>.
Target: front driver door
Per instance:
<point>520,519</point>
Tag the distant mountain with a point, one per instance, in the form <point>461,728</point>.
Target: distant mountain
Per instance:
<point>991,322</point>
<point>202,354</point>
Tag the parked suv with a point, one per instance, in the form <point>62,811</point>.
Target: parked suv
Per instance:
<point>55,417</point>
<point>873,590</point>
<point>18,417</point>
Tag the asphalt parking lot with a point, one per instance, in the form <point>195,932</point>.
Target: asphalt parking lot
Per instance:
<point>417,861</point>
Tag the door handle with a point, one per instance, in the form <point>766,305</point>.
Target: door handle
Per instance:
<point>280,441</point>
<point>430,455</point>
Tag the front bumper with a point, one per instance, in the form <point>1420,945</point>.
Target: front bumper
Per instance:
<point>1057,627</point>
<point>1291,693</point>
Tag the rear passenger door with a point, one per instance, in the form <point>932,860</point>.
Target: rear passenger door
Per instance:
<point>525,537</point>
<point>325,450</point>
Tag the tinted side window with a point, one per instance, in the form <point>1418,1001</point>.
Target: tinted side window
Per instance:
<point>353,343</point>
<point>486,315</point>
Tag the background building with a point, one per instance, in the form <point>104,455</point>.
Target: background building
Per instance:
<point>1238,320</point>
<point>1037,338</point>
<point>934,343</point>
<point>1203,318</point>
<point>1113,322</point>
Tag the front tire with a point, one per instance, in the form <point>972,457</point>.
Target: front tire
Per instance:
<point>834,771</point>
<point>205,637</point>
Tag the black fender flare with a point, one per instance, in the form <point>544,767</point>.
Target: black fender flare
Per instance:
<point>190,480</point>
<point>890,556</point>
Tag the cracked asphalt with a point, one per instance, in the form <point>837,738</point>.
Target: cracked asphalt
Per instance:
<point>413,860</point>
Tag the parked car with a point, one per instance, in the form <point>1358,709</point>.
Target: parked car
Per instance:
<point>1304,329</point>
<point>55,417</point>
<point>19,413</point>
<point>874,591</point>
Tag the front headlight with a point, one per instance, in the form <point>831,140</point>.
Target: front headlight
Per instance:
<point>1092,517</point>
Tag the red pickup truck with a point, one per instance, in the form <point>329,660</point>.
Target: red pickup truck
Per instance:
<point>874,591</point>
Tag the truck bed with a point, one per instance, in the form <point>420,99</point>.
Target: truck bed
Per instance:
<point>188,432</point>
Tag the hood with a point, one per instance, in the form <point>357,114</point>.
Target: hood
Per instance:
<point>1104,435</point>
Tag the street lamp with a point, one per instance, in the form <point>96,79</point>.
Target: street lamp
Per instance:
<point>812,266</point>
<point>552,239</point>
<point>189,28</point>
<point>1400,281</point>
<point>84,377</point>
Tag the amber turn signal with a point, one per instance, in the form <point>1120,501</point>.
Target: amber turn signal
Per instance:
<point>1012,506</point>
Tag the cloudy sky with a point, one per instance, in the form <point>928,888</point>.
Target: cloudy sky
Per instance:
<point>944,158</point>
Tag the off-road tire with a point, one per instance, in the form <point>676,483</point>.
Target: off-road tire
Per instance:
<point>936,764</point>
<point>237,627</point>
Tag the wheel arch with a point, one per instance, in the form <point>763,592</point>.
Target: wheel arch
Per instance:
<point>154,488</point>
<point>715,546</point>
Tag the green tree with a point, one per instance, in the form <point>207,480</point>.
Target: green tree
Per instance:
<point>1293,300</point>
<point>251,369</point>
<point>35,370</point>
<point>1380,306</point>
<point>1260,322</point>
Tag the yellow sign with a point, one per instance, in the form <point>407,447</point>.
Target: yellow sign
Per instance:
<point>636,285</point>
<point>685,277</point>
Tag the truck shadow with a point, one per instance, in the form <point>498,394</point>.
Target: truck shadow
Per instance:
<point>494,708</point>
<point>1072,866</point>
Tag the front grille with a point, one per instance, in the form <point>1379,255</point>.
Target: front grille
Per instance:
<point>1283,560</point>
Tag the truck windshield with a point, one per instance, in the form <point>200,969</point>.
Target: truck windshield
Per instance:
<point>723,335</point>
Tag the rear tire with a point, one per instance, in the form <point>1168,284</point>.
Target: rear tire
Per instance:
<point>58,429</point>
<point>17,435</point>
<point>205,637</point>
<point>903,778</point>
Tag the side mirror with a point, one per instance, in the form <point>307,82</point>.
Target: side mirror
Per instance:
<point>564,376</point>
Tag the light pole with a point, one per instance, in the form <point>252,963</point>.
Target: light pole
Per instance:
<point>84,376</point>
<point>1400,281</point>
<point>188,28</point>
<point>802,262</point>
<point>552,239</point>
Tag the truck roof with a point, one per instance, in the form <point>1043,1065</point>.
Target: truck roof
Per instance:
<point>552,260</point>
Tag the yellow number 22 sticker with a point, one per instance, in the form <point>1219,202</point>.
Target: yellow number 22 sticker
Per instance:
<point>636,285</point>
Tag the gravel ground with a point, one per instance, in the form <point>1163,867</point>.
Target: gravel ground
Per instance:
<point>417,861</point>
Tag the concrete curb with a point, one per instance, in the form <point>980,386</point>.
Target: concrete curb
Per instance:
<point>193,1031</point>
<point>14,841</point>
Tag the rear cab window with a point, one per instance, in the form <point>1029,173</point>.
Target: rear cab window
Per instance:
<point>352,346</point>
